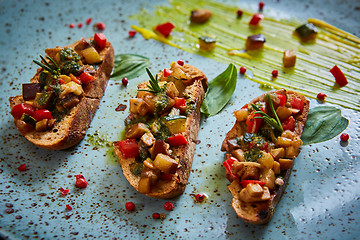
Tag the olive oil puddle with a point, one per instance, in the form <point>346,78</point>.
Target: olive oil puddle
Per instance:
<point>314,60</point>
<point>100,141</point>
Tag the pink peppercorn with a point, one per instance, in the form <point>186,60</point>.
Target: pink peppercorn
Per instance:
<point>68,207</point>
<point>242,70</point>
<point>168,206</point>
<point>275,73</point>
<point>88,21</point>
<point>344,137</point>
<point>261,6</point>
<point>130,206</point>
<point>321,96</point>
<point>80,25</point>
<point>180,62</point>
<point>71,25</point>
<point>200,197</point>
<point>156,215</point>
<point>125,81</point>
<point>132,33</point>
<point>64,191</point>
<point>100,26</point>
<point>80,181</point>
<point>239,13</point>
<point>22,167</point>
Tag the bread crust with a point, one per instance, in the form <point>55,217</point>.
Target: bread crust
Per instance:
<point>170,189</point>
<point>261,212</point>
<point>72,128</point>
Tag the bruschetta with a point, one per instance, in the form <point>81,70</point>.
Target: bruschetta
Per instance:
<point>57,106</point>
<point>161,131</point>
<point>261,148</point>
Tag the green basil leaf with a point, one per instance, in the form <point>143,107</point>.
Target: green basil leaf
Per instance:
<point>129,66</point>
<point>323,123</point>
<point>220,91</point>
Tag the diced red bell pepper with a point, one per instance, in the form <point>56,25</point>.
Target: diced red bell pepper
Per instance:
<point>42,114</point>
<point>339,76</point>
<point>165,28</point>
<point>253,124</point>
<point>256,18</point>
<point>179,102</point>
<point>289,124</point>
<point>282,99</point>
<point>100,40</point>
<point>86,78</point>
<point>297,103</point>
<point>18,110</point>
<point>244,183</point>
<point>177,140</point>
<point>166,176</point>
<point>129,148</point>
<point>228,166</point>
<point>245,106</point>
<point>167,72</point>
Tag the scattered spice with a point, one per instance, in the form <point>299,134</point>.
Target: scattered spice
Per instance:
<point>80,181</point>
<point>344,137</point>
<point>200,197</point>
<point>242,70</point>
<point>100,26</point>
<point>71,25</point>
<point>64,191</point>
<point>156,215</point>
<point>9,210</point>
<point>125,81</point>
<point>168,206</point>
<point>132,33</point>
<point>321,96</point>
<point>261,6</point>
<point>162,216</point>
<point>9,205</point>
<point>130,206</point>
<point>79,25</point>
<point>121,107</point>
<point>68,207</point>
<point>22,167</point>
<point>180,62</point>
<point>88,21</point>
<point>275,73</point>
<point>239,13</point>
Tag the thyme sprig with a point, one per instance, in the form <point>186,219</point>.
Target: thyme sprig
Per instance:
<point>154,83</point>
<point>53,69</point>
<point>274,122</point>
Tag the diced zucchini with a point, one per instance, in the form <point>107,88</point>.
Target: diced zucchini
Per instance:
<point>307,32</point>
<point>176,124</point>
<point>255,42</point>
<point>91,55</point>
<point>28,119</point>
<point>207,43</point>
<point>165,163</point>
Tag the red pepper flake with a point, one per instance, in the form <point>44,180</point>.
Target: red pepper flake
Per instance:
<point>88,21</point>
<point>239,13</point>
<point>156,215</point>
<point>22,167</point>
<point>200,197</point>
<point>168,206</point>
<point>64,191</point>
<point>243,70</point>
<point>261,6</point>
<point>71,25</point>
<point>167,72</point>
<point>321,96</point>
<point>79,25</point>
<point>180,62</point>
<point>80,181</point>
<point>344,137</point>
<point>275,73</point>
<point>130,206</point>
<point>132,33</point>
<point>125,81</point>
<point>100,26</point>
<point>68,207</point>
<point>121,107</point>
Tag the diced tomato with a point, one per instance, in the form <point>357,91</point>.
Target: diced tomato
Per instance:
<point>42,114</point>
<point>228,166</point>
<point>179,102</point>
<point>339,76</point>
<point>18,110</point>
<point>297,103</point>
<point>165,28</point>
<point>244,183</point>
<point>253,124</point>
<point>256,18</point>
<point>177,139</point>
<point>129,148</point>
<point>167,72</point>
<point>289,124</point>
<point>86,78</point>
<point>282,99</point>
<point>100,40</point>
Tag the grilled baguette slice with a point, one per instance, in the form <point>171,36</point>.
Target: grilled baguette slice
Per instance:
<point>196,83</point>
<point>72,128</point>
<point>261,212</point>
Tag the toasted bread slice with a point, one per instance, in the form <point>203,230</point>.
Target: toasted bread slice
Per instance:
<point>196,86</point>
<point>260,212</point>
<point>72,127</point>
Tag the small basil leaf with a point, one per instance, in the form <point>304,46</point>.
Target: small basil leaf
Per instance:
<point>220,91</point>
<point>323,123</point>
<point>129,66</point>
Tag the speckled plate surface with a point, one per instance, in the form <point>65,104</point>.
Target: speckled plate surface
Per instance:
<point>322,199</point>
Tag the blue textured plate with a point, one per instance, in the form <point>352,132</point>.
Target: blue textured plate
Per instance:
<point>322,197</point>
